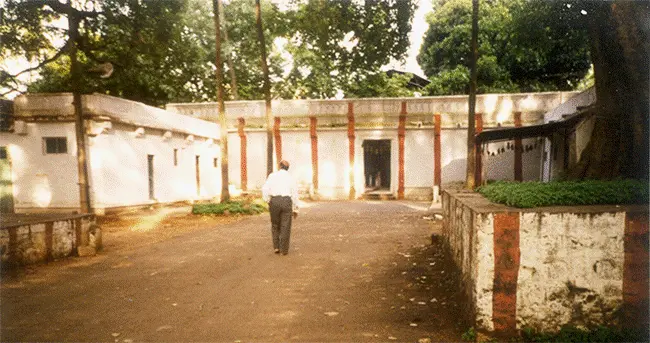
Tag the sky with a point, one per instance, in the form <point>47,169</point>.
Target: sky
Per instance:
<point>416,37</point>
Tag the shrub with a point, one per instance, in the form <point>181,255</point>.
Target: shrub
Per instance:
<point>246,206</point>
<point>566,193</point>
<point>573,334</point>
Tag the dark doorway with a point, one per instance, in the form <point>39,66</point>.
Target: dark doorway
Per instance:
<point>198,176</point>
<point>152,195</point>
<point>6,185</point>
<point>376,162</point>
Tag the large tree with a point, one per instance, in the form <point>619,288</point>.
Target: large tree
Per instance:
<point>339,44</point>
<point>620,50</point>
<point>156,54</point>
<point>523,46</point>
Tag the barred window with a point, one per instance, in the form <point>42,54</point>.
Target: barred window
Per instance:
<point>55,145</point>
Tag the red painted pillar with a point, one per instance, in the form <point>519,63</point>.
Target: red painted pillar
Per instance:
<point>401,133</point>
<point>478,166</point>
<point>314,151</point>
<point>243,168</point>
<point>437,158</point>
<point>635,272</point>
<point>518,151</point>
<point>506,273</point>
<point>351,137</point>
<point>278,140</point>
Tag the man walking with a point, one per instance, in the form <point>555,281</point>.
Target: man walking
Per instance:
<point>281,192</point>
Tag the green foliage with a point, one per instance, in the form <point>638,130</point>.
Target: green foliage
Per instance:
<point>469,335</point>
<point>322,65</point>
<point>573,334</point>
<point>163,51</point>
<point>380,85</point>
<point>566,193</point>
<point>524,45</point>
<point>256,206</point>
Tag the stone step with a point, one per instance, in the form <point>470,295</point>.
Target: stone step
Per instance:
<point>378,196</point>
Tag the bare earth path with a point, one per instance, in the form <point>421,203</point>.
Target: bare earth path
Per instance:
<point>356,272</point>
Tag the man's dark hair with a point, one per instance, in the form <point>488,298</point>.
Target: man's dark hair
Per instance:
<point>284,165</point>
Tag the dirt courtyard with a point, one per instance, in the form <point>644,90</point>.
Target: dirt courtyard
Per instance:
<point>357,271</point>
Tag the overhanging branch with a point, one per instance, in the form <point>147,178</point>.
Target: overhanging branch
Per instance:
<point>56,56</point>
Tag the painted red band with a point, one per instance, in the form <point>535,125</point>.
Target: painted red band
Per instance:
<point>278,139</point>
<point>314,151</point>
<point>401,133</point>
<point>243,163</point>
<point>635,272</point>
<point>506,272</point>
<point>351,137</point>
<point>437,158</point>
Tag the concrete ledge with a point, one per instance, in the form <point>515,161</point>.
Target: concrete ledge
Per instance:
<point>27,239</point>
<point>547,267</point>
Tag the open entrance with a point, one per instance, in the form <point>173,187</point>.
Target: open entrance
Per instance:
<point>376,162</point>
<point>152,195</point>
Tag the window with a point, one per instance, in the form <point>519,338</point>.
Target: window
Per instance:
<point>214,162</point>
<point>175,157</point>
<point>55,145</point>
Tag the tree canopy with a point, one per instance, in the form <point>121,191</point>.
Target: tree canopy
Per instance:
<point>523,46</point>
<point>163,51</point>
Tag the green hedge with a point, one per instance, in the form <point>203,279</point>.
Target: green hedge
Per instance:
<point>232,207</point>
<point>566,193</point>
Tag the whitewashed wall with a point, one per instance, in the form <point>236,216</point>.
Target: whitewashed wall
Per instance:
<point>454,155</point>
<point>40,180</point>
<point>118,162</point>
<point>296,148</point>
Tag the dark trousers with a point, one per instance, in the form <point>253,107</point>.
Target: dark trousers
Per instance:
<point>281,209</point>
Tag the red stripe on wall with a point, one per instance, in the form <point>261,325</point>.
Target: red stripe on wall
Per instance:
<point>506,272</point>
<point>635,272</point>
<point>243,167</point>
<point>278,140</point>
<point>351,137</point>
<point>437,158</point>
<point>518,151</point>
<point>314,151</point>
<point>401,133</point>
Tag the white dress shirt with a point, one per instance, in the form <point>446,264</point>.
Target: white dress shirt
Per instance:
<point>280,183</point>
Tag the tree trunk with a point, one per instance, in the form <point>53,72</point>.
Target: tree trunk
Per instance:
<point>79,123</point>
<point>471,151</point>
<point>267,89</point>
<point>619,50</point>
<point>223,124</point>
<point>231,69</point>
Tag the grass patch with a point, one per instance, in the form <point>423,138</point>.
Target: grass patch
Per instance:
<point>573,334</point>
<point>245,206</point>
<point>566,193</point>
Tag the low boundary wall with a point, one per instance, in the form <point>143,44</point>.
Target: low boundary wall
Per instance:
<point>543,268</point>
<point>28,239</point>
